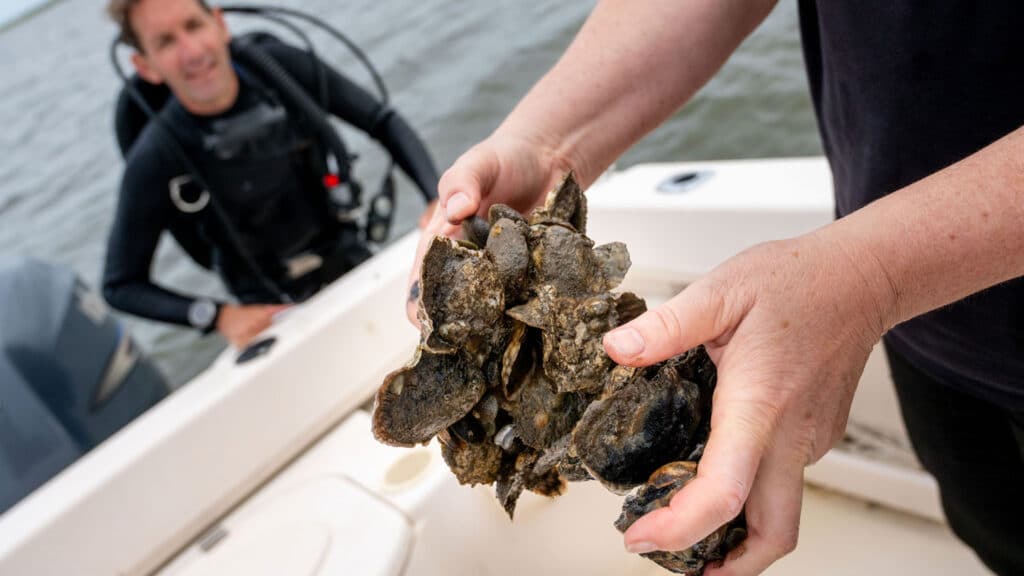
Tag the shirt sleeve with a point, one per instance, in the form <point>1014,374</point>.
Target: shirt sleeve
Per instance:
<point>143,213</point>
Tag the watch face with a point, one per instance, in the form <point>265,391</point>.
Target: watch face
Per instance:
<point>201,313</point>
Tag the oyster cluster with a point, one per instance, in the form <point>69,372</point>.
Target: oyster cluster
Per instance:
<point>511,375</point>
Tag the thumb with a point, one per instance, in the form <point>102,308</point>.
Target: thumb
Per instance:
<point>696,315</point>
<point>277,311</point>
<point>463,186</point>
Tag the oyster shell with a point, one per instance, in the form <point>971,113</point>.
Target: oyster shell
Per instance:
<point>512,377</point>
<point>420,400</point>
<point>658,415</point>
<point>656,493</point>
<point>462,299</point>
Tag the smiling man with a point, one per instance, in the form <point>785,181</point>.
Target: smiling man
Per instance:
<point>264,163</point>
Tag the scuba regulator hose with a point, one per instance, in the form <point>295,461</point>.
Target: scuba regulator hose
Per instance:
<point>256,59</point>
<point>264,11</point>
<point>380,213</point>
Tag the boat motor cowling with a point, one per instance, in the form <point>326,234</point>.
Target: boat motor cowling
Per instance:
<point>65,359</point>
<point>33,445</point>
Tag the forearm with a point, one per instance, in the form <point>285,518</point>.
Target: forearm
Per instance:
<point>148,301</point>
<point>630,67</point>
<point>942,238</point>
<point>126,271</point>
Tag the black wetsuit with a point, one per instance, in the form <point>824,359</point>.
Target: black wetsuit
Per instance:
<point>271,189</point>
<point>903,89</point>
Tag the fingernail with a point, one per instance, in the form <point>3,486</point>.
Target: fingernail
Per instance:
<point>627,342</point>
<point>456,205</point>
<point>641,547</point>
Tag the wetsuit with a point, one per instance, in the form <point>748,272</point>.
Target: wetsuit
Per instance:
<point>903,89</point>
<point>270,187</point>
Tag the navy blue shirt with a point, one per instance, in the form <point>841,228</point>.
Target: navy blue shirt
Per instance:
<point>902,89</point>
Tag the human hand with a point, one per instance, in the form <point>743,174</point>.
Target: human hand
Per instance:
<point>428,212</point>
<point>503,169</point>
<point>789,325</point>
<point>240,324</point>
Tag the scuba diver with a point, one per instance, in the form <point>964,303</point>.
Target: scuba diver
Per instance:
<point>240,165</point>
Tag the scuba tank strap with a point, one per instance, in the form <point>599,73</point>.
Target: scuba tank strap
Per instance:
<point>247,51</point>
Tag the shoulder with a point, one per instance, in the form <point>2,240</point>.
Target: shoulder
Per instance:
<point>299,62</point>
<point>148,159</point>
<point>285,54</point>
<point>151,155</point>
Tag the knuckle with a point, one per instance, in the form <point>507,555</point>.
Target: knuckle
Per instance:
<point>669,322</point>
<point>712,297</point>
<point>444,184</point>
<point>731,498</point>
<point>757,417</point>
<point>712,291</point>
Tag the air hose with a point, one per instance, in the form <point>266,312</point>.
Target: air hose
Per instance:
<point>255,59</point>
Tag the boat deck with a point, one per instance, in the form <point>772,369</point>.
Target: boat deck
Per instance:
<point>843,536</point>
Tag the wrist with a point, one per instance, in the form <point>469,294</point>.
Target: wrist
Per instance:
<point>871,286</point>
<point>203,314</point>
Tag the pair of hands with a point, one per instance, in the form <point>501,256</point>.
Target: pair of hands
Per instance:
<point>789,325</point>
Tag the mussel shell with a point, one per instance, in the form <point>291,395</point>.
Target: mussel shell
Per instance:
<point>498,211</point>
<point>475,230</point>
<point>656,493</point>
<point>506,246</point>
<point>625,436</point>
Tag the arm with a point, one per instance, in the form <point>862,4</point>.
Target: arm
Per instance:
<point>143,212</point>
<point>349,102</point>
<point>970,214</point>
<point>630,67</point>
<point>790,324</point>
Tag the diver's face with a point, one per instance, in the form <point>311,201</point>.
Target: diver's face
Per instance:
<point>185,47</point>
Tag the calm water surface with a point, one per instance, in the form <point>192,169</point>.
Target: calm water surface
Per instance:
<point>455,69</point>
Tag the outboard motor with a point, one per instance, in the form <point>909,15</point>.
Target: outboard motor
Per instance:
<point>70,376</point>
<point>33,444</point>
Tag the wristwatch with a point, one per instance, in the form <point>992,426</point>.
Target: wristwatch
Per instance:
<point>202,314</point>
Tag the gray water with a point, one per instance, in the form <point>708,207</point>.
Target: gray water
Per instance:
<point>454,69</point>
